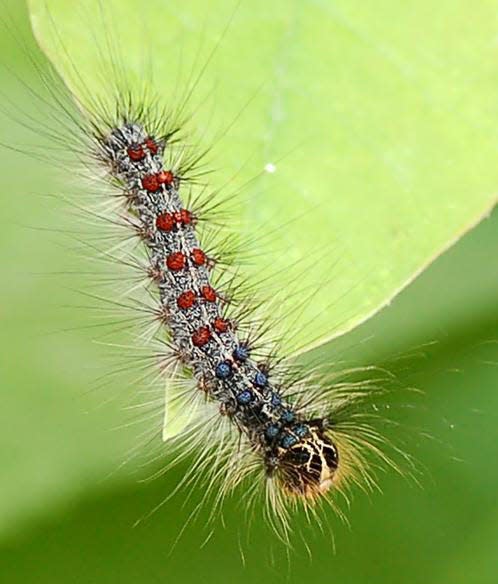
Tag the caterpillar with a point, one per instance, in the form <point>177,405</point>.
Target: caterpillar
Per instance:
<point>294,448</point>
<point>255,418</point>
<point>289,425</point>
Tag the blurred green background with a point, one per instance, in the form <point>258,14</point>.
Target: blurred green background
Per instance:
<point>67,508</point>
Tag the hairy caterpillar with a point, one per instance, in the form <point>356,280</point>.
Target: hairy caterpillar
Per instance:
<point>288,425</point>
<point>280,426</point>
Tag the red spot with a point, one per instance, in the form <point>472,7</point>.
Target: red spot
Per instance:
<point>186,299</point>
<point>198,256</point>
<point>166,177</point>
<point>136,152</point>
<point>221,325</point>
<point>176,261</point>
<point>151,183</point>
<point>186,216</point>
<point>208,293</point>
<point>151,145</point>
<point>201,336</point>
<point>183,216</point>
<point>165,222</point>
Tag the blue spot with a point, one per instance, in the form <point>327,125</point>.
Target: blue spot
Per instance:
<point>272,431</point>
<point>288,440</point>
<point>287,417</point>
<point>223,370</point>
<point>241,353</point>
<point>301,430</point>
<point>276,400</point>
<point>244,397</point>
<point>260,379</point>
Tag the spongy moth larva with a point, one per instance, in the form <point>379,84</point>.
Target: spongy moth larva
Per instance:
<point>295,448</point>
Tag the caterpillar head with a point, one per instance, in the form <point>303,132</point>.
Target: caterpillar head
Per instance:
<point>307,460</point>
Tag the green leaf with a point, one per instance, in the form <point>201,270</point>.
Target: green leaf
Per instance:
<point>378,118</point>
